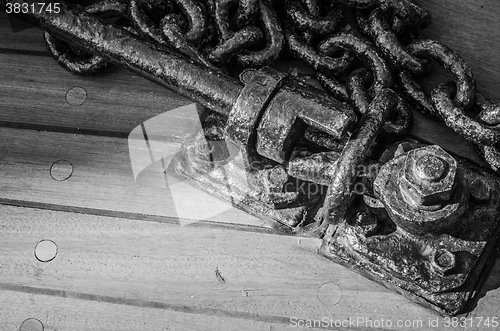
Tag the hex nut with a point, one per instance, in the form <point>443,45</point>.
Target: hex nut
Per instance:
<point>405,212</point>
<point>428,176</point>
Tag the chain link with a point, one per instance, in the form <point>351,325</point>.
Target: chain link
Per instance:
<point>397,124</point>
<point>489,115</point>
<point>388,42</point>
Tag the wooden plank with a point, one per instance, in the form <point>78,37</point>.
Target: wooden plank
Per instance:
<point>101,181</point>
<point>37,91</point>
<point>267,278</point>
<point>54,313</point>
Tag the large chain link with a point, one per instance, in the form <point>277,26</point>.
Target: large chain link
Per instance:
<point>357,49</point>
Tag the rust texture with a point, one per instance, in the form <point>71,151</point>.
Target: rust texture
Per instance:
<point>429,227</point>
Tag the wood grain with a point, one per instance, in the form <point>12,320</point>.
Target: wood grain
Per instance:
<point>18,36</point>
<point>33,91</point>
<point>72,314</point>
<point>102,178</point>
<point>266,278</point>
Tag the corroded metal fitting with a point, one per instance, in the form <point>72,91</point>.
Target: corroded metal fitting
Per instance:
<point>260,86</point>
<point>423,190</point>
<point>279,129</point>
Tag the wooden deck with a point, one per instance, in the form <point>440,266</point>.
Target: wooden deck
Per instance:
<point>124,261</point>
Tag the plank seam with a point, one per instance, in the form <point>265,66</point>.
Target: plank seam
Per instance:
<point>13,51</point>
<point>136,216</point>
<point>73,130</point>
<point>151,304</point>
<point>65,129</point>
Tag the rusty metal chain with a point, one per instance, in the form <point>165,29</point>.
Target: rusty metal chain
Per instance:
<point>358,48</point>
<point>395,127</point>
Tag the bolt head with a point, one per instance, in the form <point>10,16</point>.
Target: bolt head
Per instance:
<point>428,176</point>
<point>443,260</point>
<point>391,188</point>
<point>246,75</point>
<point>480,190</point>
<point>430,167</point>
<point>274,179</point>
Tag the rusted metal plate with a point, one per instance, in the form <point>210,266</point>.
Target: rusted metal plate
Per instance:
<point>430,230</point>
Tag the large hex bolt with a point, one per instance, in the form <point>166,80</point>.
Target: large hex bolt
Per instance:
<point>423,190</point>
<point>428,176</point>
